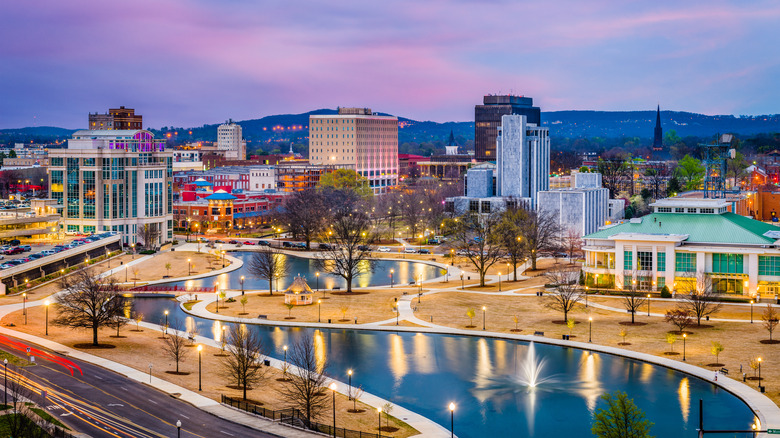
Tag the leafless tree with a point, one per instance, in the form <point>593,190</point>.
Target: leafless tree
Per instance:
<point>306,380</point>
<point>476,238</point>
<point>633,298</point>
<point>20,423</point>
<point>509,234</point>
<point>348,254</point>
<point>88,301</point>
<point>679,318</point>
<point>572,243</point>
<point>149,235</point>
<point>541,232</point>
<point>613,171</point>
<point>566,293</point>
<point>389,208</point>
<point>242,361</point>
<point>770,320</point>
<point>412,206</point>
<point>175,346</point>
<point>303,214</point>
<point>268,264</point>
<point>699,298</point>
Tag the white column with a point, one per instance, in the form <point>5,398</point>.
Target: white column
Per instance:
<point>670,265</point>
<point>752,274</point>
<point>654,274</point>
<point>701,265</point>
<point>618,265</point>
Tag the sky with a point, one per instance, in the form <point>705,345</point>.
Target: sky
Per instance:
<point>186,63</point>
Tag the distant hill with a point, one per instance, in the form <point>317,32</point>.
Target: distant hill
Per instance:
<point>572,124</point>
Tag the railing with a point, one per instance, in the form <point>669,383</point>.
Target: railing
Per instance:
<point>153,288</point>
<point>295,418</point>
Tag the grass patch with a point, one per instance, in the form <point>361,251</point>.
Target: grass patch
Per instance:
<point>15,360</point>
<point>45,415</point>
<point>188,305</point>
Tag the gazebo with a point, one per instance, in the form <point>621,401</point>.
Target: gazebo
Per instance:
<point>299,293</point>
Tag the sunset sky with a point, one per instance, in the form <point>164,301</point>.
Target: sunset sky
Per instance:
<point>186,63</point>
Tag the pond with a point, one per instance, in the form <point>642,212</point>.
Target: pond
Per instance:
<point>502,388</point>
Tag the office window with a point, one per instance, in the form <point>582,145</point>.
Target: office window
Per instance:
<point>727,263</point>
<point>628,262</point>
<point>685,262</point>
<point>768,265</point>
<point>644,260</point>
<point>661,259</point>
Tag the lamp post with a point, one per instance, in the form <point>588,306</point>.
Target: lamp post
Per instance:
<point>285,358</point>
<point>24,307</point>
<point>392,271</point>
<point>200,380</point>
<point>349,393</point>
<point>499,282</point>
<point>452,420</point>
<point>685,336</point>
<point>189,267</point>
<point>178,428</point>
<point>46,303</point>
<point>216,291</point>
<point>223,258</point>
<point>461,281</point>
<point>452,257</point>
<point>242,285</point>
<point>132,247</point>
<point>319,310</point>
<point>397,311</point>
<point>150,373</point>
<point>586,296</point>
<point>166,318</point>
<point>379,414</point>
<point>751,311</point>
<point>5,383</point>
<point>317,274</point>
<point>590,329</point>
<point>484,312</point>
<point>648,304</point>
<point>759,373</point>
<point>333,389</point>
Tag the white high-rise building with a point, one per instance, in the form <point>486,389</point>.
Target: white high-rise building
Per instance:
<point>229,139</point>
<point>522,158</point>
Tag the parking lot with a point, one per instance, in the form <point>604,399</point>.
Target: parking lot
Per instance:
<point>23,252</point>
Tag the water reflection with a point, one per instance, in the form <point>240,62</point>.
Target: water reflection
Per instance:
<point>684,394</point>
<point>398,365</point>
<point>423,357</point>
<point>320,351</point>
<point>590,389</point>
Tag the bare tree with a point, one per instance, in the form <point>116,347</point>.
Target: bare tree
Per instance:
<point>541,232</point>
<point>510,235</point>
<point>149,235</point>
<point>303,214</point>
<point>770,320</point>
<point>307,380</point>
<point>567,291</point>
<point>175,346</point>
<point>268,264</point>
<point>20,423</point>
<point>679,318</point>
<point>572,243</point>
<point>633,298</point>
<point>88,301</point>
<point>242,361</point>
<point>412,207</point>
<point>348,254</point>
<point>476,237</point>
<point>699,298</point>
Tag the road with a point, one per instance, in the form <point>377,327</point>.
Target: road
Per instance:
<point>101,403</point>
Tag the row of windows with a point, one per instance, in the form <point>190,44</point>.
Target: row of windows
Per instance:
<point>727,263</point>
<point>768,265</point>
<point>685,262</point>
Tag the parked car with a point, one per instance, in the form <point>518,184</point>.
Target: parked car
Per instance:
<point>264,243</point>
<point>4,248</point>
<point>249,243</point>
<point>383,249</point>
<point>14,242</point>
<point>325,246</point>
<point>36,256</point>
<point>233,242</point>
<point>410,251</point>
<point>219,241</point>
<point>425,251</point>
<point>433,241</point>
<point>300,245</point>
<point>286,244</point>
<point>26,247</point>
<point>364,248</point>
<point>14,250</point>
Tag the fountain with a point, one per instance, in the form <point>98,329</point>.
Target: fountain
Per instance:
<point>531,369</point>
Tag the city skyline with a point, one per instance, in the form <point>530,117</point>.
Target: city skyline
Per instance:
<point>191,63</point>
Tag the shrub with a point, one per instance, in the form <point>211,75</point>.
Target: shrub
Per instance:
<point>665,292</point>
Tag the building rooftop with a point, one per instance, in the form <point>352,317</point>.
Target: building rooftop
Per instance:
<point>725,228</point>
<point>108,133</point>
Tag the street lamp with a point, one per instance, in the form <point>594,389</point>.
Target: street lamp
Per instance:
<point>189,267</point>
<point>685,336</point>
<point>648,304</point>
<point>216,291</point>
<point>319,310</point>
<point>484,311</point>
<point>349,394</point>
<point>751,311</point>
<point>392,271</point>
<point>285,359</point>
<point>242,285</point>
<point>46,303</point>
<point>452,257</point>
<point>132,247</point>
<point>461,281</point>
<point>178,428</point>
<point>223,258</point>
<point>759,373</point>
<point>586,296</point>
<point>397,311</point>
<point>499,282</point>
<point>379,414</point>
<point>452,420</point>
<point>200,380</point>
<point>24,307</point>
<point>333,388</point>
<point>590,329</point>
<point>5,383</point>
<point>317,274</point>
<point>166,318</point>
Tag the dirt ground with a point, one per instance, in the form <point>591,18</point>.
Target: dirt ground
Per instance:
<point>139,349</point>
<point>741,340</point>
<point>154,268</point>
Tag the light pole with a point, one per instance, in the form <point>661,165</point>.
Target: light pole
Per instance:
<point>751,311</point>
<point>333,388</point>
<point>461,281</point>
<point>648,304</point>
<point>242,285</point>
<point>5,383</point>
<point>759,374</point>
<point>285,358</point>
<point>590,329</point>
<point>499,282</point>
<point>586,296</point>
<point>452,257</point>
<point>216,291</point>
<point>317,274</point>
<point>223,258</point>
<point>349,393</point>
<point>200,380</point>
<point>452,420</point>
<point>166,318</point>
<point>484,312</point>
<point>379,414</point>
<point>392,271</point>
<point>189,267</point>
<point>685,336</point>
<point>24,307</point>
<point>46,303</point>
<point>397,311</point>
<point>132,247</point>
<point>319,310</point>
<point>178,428</point>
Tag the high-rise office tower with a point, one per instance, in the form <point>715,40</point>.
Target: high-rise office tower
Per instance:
<point>229,139</point>
<point>522,159</point>
<point>116,118</point>
<point>487,118</point>
<point>359,139</point>
<point>115,180</point>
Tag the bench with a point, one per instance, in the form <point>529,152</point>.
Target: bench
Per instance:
<point>336,287</point>
<point>262,316</point>
<point>537,333</point>
<point>724,371</point>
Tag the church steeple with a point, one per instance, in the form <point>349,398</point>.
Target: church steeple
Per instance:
<point>658,137</point>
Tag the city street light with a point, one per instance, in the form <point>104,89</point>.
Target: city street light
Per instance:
<point>461,281</point>
<point>379,414</point>
<point>452,257</point>
<point>132,247</point>
<point>189,267</point>
<point>166,318</point>
<point>397,311</point>
<point>648,304</point>
<point>242,285</point>
<point>285,358</point>
<point>5,383</point>
<point>392,271</point>
<point>319,310</point>
<point>759,373</point>
<point>586,296</point>
<point>46,303</point>
<point>349,393</point>
<point>452,420</point>
<point>200,381</point>
<point>685,336</point>
<point>499,282</point>
<point>751,311</point>
<point>333,388</point>
<point>178,428</point>
<point>590,329</point>
<point>216,291</point>
<point>484,311</point>
<point>317,274</point>
<point>24,307</point>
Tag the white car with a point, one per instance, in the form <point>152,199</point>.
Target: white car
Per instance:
<point>410,251</point>
<point>383,249</point>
